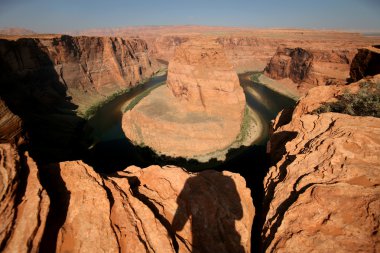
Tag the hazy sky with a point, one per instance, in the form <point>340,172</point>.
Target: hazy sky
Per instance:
<point>67,15</point>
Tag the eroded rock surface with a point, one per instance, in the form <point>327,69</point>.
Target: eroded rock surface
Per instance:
<point>48,83</point>
<point>307,68</point>
<point>24,202</point>
<point>156,209</point>
<point>199,112</point>
<point>323,194</point>
<point>365,63</point>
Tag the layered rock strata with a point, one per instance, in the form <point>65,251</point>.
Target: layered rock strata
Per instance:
<point>365,63</point>
<point>323,192</point>
<point>200,110</point>
<point>86,68</point>
<point>136,210</point>
<point>49,82</point>
<point>307,68</point>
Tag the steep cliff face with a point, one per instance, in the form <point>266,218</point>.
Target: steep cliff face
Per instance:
<point>198,113</point>
<point>323,192</point>
<point>87,68</point>
<point>293,63</point>
<point>307,68</point>
<point>70,207</point>
<point>10,125</point>
<point>48,81</point>
<point>365,63</point>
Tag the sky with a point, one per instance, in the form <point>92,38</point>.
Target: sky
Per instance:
<point>57,16</point>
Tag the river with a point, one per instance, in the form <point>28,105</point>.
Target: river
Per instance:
<point>109,142</point>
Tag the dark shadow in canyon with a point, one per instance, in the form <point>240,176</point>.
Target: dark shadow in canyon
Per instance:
<point>32,89</point>
<point>51,180</point>
<point>207,209</point>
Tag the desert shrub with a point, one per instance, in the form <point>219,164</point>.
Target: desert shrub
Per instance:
<point>364,103</point>
<point>256,77</point>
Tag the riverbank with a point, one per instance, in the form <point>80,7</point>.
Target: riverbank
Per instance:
<point>281,88</point>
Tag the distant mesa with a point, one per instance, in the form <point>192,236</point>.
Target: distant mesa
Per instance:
<point>16,31</point>
<point>198,112</point>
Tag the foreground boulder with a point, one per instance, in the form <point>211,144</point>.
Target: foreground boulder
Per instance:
<point>136,210</point>
<point>323,193</point>
<point>24,202</point>
<point>199,112</point>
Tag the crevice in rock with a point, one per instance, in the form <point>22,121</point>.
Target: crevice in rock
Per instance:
<point>134,182</point>
<point>51,179</point>
<point>23,174</point>
<point>112,202</point>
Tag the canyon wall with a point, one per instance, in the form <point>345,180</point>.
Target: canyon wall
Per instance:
<point>68,207</point>
<point>307,68</point>
<point>322,194</point>
<point>50,82</point>
<point>365,63</point>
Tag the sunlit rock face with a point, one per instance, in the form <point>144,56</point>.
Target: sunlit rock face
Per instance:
<point>69,207</point>
<point>200,110</point>
<point>322,194</point>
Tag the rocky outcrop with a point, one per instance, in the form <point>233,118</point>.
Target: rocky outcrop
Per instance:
<point>10,125</point>
<point>48,81</point>
<point>136,210</point>
<point>198,113</point>
<point>323,192</point>
<point>365,63</point>
<point>307,68</point>
<point>24,202</point>
<point>293,63</point>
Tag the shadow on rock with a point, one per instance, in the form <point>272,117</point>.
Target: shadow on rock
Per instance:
<point>212,213</point>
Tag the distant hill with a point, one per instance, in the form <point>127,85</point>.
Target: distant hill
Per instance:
<point>15,31</point>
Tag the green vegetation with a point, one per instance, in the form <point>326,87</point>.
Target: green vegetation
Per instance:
<point>256,77</point>
<point>364,103</point>
<point>91,111</point>
<point>138,98</point>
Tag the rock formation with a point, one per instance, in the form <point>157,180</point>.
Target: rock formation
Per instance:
<point>293,63</point>
<point>48,80</point>
<point>323,193</point>
<point>136,210</point>
<point>365,63</point>
<point>88,68</point>
<point>199,112</point>
<point>24,202</point>
<point>309,67</point>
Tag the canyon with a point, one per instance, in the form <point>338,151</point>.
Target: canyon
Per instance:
<point>175,120</point>
<point>314,186</point>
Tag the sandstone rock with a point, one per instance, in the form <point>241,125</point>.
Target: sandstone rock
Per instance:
<point>293,63</point>
<point>365,63</point>
<point>48,80</point>
<point>10,125</point>
<point>199,112</point>
<point>307,68</point>
<point>323,194</point>
<point>24,203</point>
<point>136,210</point>
<point>87,68</point>
<point>148,210</point>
